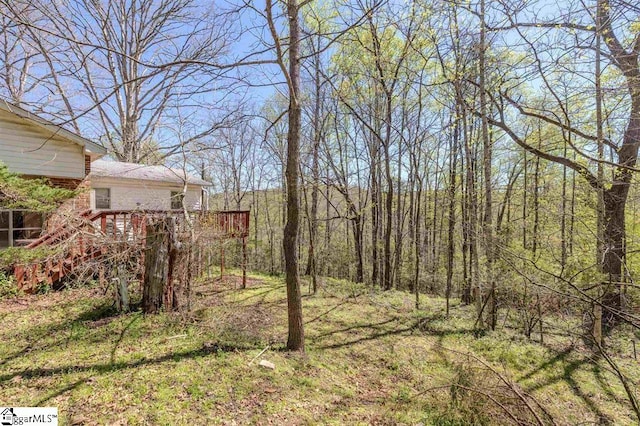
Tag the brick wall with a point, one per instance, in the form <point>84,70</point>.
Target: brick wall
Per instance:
<point>71,207</point>
<point>79,202</point>
<point>65,183</point>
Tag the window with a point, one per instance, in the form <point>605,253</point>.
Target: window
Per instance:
<point>103,198</point>
<point>4,229</point>
<point>177,197</point>
<point>19,227</point>
<point>27,226</point>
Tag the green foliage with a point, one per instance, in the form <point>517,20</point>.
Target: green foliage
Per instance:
<point>29,194</point>
<point>371,359</point>
<point>7,286</point>
<point>14,255</point>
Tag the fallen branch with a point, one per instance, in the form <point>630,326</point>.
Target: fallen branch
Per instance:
<point>259,355</point>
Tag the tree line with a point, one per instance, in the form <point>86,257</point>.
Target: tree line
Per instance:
<point>481,151</point>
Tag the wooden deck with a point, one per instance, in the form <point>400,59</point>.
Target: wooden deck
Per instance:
<point>90,236</point>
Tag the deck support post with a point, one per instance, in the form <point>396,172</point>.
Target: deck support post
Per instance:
<point>221,261</point>
<point>244,262</point>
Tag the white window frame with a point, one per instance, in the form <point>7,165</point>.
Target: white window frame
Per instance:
<point>11,229</point>
<point>95,196</point>
<point>177,196</point>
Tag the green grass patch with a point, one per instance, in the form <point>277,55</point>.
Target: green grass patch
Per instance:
<point>371,359</point>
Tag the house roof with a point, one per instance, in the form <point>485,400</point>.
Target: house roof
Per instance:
<point>90,147</point>
<point>121,170</point>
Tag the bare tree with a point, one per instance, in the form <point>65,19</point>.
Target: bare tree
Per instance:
<point>291,74</point>
<point>128,61</point>
<point>621,52</point>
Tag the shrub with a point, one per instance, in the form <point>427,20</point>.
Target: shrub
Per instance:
<point>14,255</point>
<point>8,287</point>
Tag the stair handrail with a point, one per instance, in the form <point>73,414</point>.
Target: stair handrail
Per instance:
<point>59,233</point>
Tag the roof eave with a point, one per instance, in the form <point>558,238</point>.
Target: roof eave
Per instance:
<point>91,147</point>
<point>119,177</point>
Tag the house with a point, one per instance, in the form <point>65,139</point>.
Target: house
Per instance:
<point>115,201</point>
<point>128,186</point>
<point>34,147</point>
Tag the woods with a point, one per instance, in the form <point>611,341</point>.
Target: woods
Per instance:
<point>434,119</point>
<point>482,152</point>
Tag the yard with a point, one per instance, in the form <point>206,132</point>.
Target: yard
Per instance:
<point>371,359</point>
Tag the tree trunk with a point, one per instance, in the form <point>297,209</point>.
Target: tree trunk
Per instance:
<point>487,162</point>
<point>387,279</point>
<point>536,199</point>
<point>525,193</point>
<point>563,218</point>
<point>400,206</point>
<point>417,246</point>
<point>453,157</point>
<point>613,258</point>
<point>315,175</point>
<point>122,289</point>
<point>156,263</point>
<point>470,215</point>
<point>295,340</point>
<point>358,243</point>
<point>375,215</point>
<point>434,227</point>
<point>600,203</point>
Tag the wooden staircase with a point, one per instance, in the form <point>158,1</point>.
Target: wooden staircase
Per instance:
<point>92,236</point>
<point>89,236</point>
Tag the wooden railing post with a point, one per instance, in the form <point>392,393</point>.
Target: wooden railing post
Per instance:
<point>244,262</point>
<point>34,276</point>
<point>18,272</point>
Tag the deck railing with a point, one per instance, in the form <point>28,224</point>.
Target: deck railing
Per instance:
<point>228,223</point>
<point>85,237</point>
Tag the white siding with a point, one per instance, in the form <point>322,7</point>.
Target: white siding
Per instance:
<point>145,195</point>
<point>29,150</point>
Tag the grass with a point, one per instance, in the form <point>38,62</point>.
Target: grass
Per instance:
<point>371,359</point>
